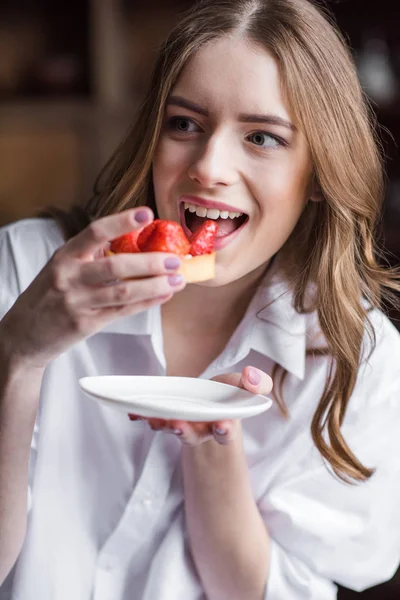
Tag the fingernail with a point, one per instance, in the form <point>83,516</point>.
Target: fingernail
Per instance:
<point>175,280</point>
<point>172,262</point>
<point>177,431</point>
<point>254,376</point>
<point>141,216</point>
<point>220,431</point>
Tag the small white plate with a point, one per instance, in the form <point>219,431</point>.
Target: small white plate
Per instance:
<point>184,398</point>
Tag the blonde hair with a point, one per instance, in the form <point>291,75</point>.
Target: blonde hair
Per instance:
<point>333,242</point>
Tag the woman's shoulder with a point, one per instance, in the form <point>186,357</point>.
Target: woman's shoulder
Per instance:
<point>25,247</point>
<point>378,377</point>
<point>377,387</point>
<point>384,330</point>
<point>33,233</point>
<point>380,364</point>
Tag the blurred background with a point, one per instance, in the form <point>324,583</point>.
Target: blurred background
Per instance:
<point>72,74</point>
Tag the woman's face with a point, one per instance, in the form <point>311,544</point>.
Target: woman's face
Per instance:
<point>229,146</point>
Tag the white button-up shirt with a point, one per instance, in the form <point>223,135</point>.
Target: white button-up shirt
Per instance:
<point>105,501</point>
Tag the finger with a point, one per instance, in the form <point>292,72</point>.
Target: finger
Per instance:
<point>224,432</point>
<point>135,417</point>
<point>124,293</point>
<point>199,428</point>
<point>234,379</point>
<point>193,434</point>
<point>164,425</point>
<point>107,315</point>
<point>100,232</point>
<point>157,424</point>
<point>251,379</point>
<point>256,381</point>
<point>125,266</point>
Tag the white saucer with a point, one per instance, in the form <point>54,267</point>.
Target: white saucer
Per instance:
<point>185,398</point>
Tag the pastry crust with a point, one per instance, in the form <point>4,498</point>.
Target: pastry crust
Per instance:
<point>198,268</point>
<point>193,268</point>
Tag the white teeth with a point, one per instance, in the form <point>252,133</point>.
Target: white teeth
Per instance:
<point>201,211</point>
<point>190,207</point>
<point>211,213</point>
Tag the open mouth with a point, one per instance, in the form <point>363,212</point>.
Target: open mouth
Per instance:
<point>193,217</point>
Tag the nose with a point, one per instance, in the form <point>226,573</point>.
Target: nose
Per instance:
<point>213,164</point>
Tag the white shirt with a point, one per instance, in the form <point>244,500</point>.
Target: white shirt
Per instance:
<point>106,518</point>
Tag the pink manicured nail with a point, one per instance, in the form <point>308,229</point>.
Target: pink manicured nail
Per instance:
<point>141,216</point>
<point>172,262</point>
<point>175,280</point>
<point>219,431</point>
<point>254,376</point>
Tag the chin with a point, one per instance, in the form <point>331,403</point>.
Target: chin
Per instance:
<point>222,278</point>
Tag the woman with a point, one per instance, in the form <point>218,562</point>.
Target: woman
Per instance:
<point>254,108</point>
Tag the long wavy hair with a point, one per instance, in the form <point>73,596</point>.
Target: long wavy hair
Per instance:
<point>333,244</point>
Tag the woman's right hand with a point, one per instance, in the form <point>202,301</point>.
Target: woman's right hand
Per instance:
<point>80,290</point>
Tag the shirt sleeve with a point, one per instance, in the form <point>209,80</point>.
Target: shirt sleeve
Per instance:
<point>10,288</point>
<point>324,530</point>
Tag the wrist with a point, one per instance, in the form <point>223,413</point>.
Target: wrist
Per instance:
<point>14,364</point>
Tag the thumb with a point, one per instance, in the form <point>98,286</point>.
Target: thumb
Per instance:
<point>250,379</point>
<point>96,235</point>
<point>234,379</point>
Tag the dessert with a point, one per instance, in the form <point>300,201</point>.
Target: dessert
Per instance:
<point>125,243</point>
<point>197,252</point>
<point>164,236</point>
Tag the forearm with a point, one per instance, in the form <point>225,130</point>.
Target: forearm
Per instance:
<point>19,397</point>
<point>228,538</point>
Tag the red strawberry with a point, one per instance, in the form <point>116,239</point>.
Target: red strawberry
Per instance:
<point>126,243</point>
<point>202,242</point>
<point>146,232</point>
<point>164,236</point>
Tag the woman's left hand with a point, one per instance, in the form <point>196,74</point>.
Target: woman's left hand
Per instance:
<point>223,432</point>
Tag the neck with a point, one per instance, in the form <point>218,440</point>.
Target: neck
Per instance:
<point>200,308</point>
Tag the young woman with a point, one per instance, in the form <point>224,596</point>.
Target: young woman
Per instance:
<point>254,108</point>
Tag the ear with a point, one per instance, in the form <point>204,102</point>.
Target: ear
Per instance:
<point>315,194</point>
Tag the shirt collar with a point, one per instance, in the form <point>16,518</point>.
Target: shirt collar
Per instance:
<point>271,325</point>
<point>279,331</point>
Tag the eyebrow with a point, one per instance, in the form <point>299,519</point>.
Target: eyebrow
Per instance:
<point>243,118</point>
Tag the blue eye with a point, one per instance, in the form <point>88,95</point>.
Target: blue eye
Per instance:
<point>264,140</point>
<point>182,125</point>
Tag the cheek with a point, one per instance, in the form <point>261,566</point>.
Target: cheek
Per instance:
<point>282,188</point>
<point>169,163</point>
<point>169,170</point>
